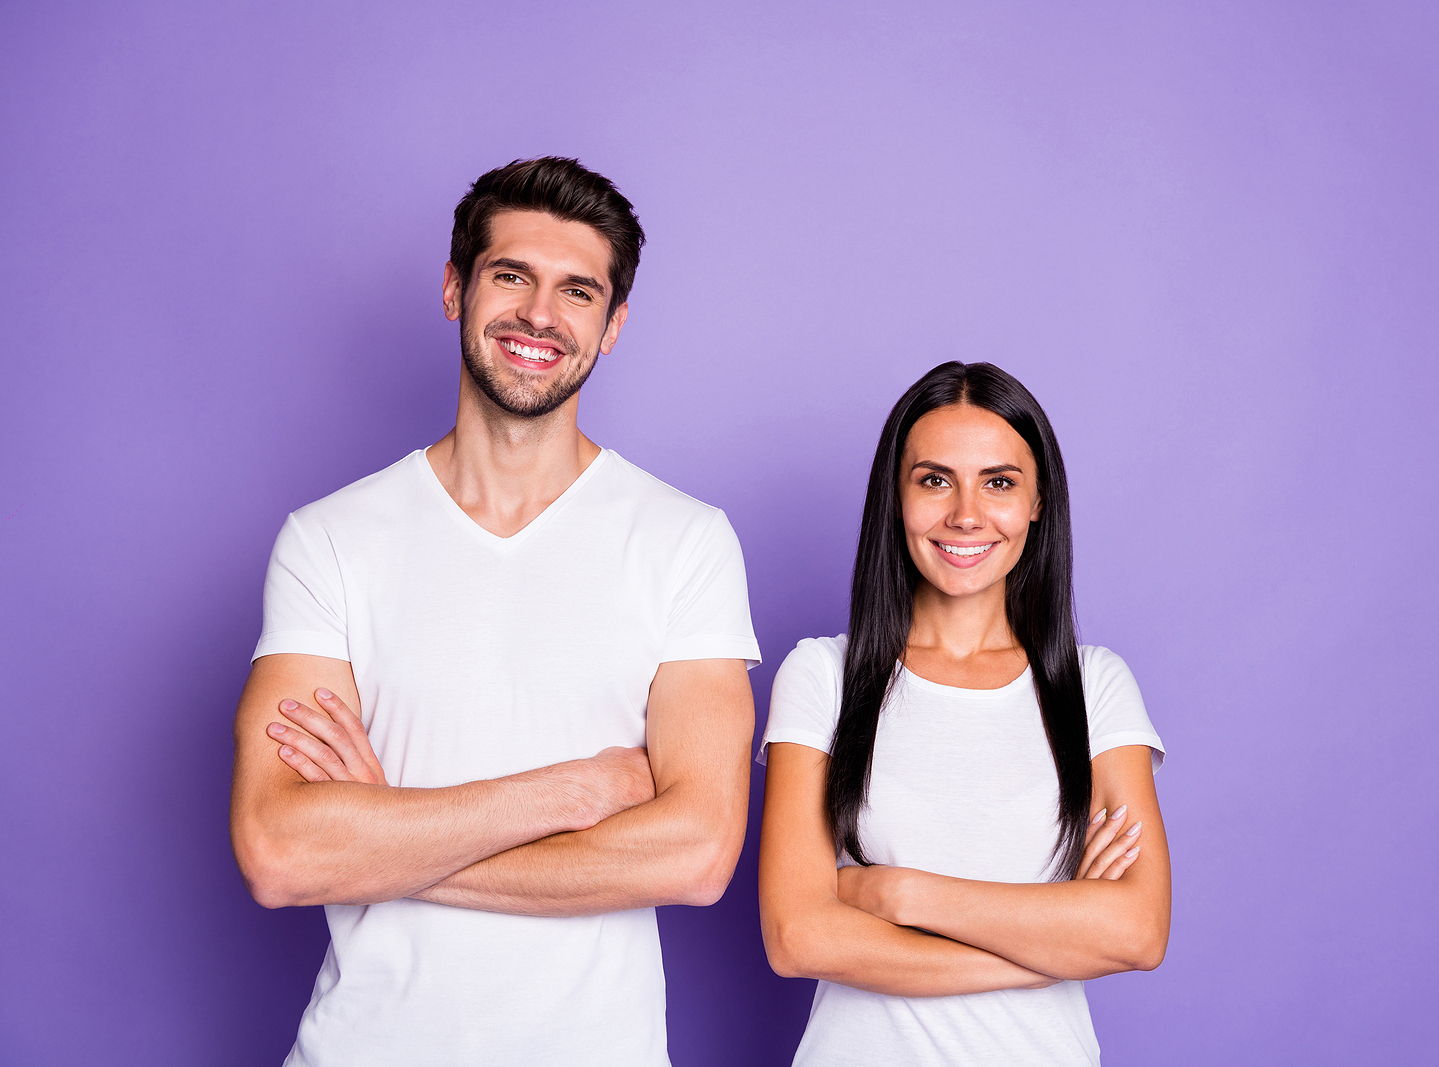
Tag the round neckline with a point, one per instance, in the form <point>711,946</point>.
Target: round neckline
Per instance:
<point>1025,677</point>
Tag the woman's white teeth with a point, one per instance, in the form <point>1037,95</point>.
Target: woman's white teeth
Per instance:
<point>975,551</point>
<point>544,355</point>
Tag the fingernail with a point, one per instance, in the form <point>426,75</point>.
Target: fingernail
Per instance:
<point>286,750</point>
<point>1133,829</point>
<point>288,705</point>
<point>1132,853</point>
<point>324,694</point>
<point>1099,817</point>
<point>276,729</point>
<point>1119,811</point>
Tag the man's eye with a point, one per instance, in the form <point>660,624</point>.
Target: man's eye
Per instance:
<point>580,294</point>
<point>508,278</point>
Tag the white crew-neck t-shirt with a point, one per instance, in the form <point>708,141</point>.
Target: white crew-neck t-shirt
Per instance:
<point>962,784</point>
<point>478,656</point>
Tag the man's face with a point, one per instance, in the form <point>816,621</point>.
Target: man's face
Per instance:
<point>533,314</point>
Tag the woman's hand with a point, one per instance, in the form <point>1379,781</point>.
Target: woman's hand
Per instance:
<point>877,889</point>
<point>1109,852</point>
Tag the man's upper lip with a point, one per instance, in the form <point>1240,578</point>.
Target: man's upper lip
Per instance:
<point>965,544</point>
<point>521,339</point>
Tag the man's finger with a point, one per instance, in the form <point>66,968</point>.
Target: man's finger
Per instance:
<point>297,761</point>
<point>314,752</point>
<point>348,721</point>
<point>319,725</point>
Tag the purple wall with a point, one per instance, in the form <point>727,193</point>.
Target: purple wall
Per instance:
<point>1206,240</point>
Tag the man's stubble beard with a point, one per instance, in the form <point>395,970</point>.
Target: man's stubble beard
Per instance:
<point>532,403</point>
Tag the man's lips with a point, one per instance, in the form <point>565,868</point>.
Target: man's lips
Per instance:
<point>529,352</point>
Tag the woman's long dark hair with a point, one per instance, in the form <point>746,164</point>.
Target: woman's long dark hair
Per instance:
<point>1039,601</point>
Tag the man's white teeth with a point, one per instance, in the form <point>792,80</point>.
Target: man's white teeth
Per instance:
<point>543,355</point>
<point>975,551</point>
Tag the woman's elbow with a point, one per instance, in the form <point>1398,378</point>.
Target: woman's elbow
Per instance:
<point>1144,948</point>
<point>792,945</point>
<point>1149,952</point>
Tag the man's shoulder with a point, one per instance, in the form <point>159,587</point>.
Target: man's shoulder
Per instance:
<point>653,497</point>
<point>372,498</point>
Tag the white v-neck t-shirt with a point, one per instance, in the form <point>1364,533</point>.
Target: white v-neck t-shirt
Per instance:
<point>478,656</point>
<point>962,784</point>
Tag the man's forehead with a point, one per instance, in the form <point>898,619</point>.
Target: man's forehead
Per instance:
<point>537,235</point>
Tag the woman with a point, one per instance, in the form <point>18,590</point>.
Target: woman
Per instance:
<point>986,782</point>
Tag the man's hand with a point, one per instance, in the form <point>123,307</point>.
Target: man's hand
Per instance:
<point>330,746</point>
<point>624,778</point>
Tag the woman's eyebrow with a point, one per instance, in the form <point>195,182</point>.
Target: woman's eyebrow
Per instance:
<point>930,465</point>
<point>940,468</point>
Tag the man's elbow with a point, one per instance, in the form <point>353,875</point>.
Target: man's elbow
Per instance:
<point>703,877</point>
<point>269,869</point>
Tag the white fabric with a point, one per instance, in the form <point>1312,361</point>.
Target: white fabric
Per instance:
<point>476,657</point>
<point>962,784</point>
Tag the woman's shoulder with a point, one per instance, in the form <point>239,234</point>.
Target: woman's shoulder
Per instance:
<point>1106,677</point>
<point>820,649</point>
<point>815,662</point>
<point>1098,661</point>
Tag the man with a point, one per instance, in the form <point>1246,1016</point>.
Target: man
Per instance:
<point>510,614</point>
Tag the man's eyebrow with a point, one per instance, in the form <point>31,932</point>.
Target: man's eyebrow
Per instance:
<point>585,281</point>
<point>505,263</point>
<point>508,264</point>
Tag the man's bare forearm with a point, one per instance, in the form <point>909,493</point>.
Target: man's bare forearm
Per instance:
<point>657,853</point>
<point>357,843</point>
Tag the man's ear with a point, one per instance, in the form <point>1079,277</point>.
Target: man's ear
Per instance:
<point>452,292</point>
<point>612,331</point>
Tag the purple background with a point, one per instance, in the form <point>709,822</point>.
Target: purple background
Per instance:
<point>1204,238</point>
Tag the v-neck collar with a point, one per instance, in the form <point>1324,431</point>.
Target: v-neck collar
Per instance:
<point>458,514</point>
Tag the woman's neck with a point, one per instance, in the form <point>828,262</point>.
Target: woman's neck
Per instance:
<point>960,627</point>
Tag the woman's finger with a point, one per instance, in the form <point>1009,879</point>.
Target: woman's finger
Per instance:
<point>1122,864</point>
<point>1100,838</point>
<point>1117,848</point>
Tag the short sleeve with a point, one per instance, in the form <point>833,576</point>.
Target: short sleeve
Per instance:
<point>709,613</point>
<point>804,701</point>
<point>304,595</point>
<point>1117,715</point>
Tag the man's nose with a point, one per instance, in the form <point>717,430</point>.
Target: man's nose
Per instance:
<point>538,308</point>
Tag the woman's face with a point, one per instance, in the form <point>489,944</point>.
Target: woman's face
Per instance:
<point>968,491</point>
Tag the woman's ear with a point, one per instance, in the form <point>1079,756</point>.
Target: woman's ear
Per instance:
<point>1038,507</point>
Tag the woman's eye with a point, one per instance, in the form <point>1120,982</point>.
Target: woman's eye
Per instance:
<point>1000,482</point>
<point>933,481</point>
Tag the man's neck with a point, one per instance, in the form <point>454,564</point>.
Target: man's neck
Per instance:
<point>504,470</point>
